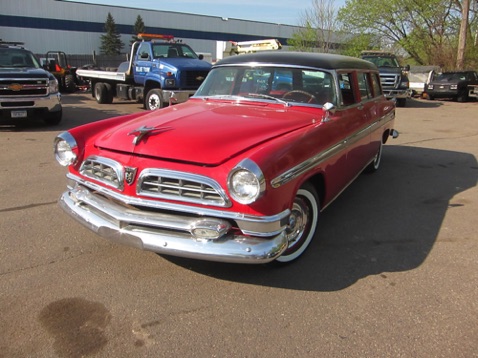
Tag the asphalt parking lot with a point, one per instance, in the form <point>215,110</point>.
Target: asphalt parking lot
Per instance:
<point>393,272</point>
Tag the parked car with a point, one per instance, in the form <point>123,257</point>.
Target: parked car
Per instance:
<point>238,173</point>
<point>452,85</point>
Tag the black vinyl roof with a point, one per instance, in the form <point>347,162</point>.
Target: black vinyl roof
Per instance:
<point>306,59</point>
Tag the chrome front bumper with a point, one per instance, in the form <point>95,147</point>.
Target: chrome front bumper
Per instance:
<point>165,233</point>
<point>397,93</point>
<point>51,102</point>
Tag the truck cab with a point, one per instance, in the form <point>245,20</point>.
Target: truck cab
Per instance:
<point>393,77</point>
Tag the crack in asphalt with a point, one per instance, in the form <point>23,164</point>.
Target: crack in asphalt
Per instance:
<point>30,206</point>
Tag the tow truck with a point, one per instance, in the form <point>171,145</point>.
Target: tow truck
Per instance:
<point>160,71</point>
<point>242,47</point>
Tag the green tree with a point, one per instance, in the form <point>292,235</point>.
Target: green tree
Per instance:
<point>111,43</point>
<point>427,30</point>
<point>138,28</point>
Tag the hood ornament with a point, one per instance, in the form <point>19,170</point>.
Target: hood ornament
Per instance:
<point>143,131</point>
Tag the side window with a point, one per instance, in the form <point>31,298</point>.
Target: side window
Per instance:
<point>364,86</point>
<point>377,89</point>
<point>346,88</point>
<point>144,51</point>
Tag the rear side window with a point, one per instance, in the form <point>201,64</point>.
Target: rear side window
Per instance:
<point>364,86</point>
<point>377,89</point>
<point>346,88</point>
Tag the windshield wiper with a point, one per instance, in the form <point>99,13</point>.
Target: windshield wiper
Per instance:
<point>266,96</point>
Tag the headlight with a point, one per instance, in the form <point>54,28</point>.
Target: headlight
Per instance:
<point>246,182</point>
<point>53,88</point>
<point>430,86</point>
<point>66,149</point>
<point>453,87</point>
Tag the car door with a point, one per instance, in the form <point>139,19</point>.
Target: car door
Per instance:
<point>142,63</point>
<point>357,119</point>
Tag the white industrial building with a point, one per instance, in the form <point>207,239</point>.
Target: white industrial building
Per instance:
<point>76,28</point>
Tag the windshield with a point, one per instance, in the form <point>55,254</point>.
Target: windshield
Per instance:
<point>171,50</point>
<point>281,84</point>
<point>382,61</point>
<point>13,57</point>
<point>452,76</point>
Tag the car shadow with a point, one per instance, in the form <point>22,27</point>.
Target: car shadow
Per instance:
<point>422,103</point>
<point>385,222</point>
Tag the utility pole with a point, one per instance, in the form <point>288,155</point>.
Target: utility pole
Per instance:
<point>460,58</point>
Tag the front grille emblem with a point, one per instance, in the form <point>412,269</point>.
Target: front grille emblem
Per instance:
<point>129,175</point>
<point>15,87</point>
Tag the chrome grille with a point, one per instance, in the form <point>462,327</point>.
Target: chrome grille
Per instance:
<point>20,87</point>
<point>103,170</point>
<point>186,187</point>
<point>389,81</point>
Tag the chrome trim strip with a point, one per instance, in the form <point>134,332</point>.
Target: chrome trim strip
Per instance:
<point>249,224</point>
<point>307,165</point>
<point>312,162</point>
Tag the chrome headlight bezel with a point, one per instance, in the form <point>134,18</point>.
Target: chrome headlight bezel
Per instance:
<point>246,182</point>
<point>53,85</point>
<point>66,149</point>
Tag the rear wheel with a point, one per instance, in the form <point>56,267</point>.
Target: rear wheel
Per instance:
<point>70,85</point>
<point>303,222</point>
<point>153,100</point>
<point>375,164</point>
<point>103,93</point>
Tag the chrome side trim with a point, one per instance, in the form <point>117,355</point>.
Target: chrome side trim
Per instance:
<point>316,160</point>
<point>262,226</point>
<point>307,165</point>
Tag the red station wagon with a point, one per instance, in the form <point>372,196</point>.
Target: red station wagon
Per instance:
<point>241,171</point>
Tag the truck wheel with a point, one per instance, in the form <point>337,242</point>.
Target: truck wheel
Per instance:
<point>153,100</point>
<point>103,93</point>
<point>401,102</point>
<point>70,85</point>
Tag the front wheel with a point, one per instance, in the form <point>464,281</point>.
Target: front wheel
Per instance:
<point>153,100</point>
<point>303,222</point>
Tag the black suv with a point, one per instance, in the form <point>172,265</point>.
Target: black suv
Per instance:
<point>452,85</point>
<point>26,89</point>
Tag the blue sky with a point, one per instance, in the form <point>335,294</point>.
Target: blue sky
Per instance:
<point>276,11</point>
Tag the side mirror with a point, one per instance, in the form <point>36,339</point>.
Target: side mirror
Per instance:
<point>329,108</point>
<point>201,56</point>
<point>407,68</point>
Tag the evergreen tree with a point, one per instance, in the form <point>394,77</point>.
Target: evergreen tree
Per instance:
<point>111,43</point>
<point>138,28</point>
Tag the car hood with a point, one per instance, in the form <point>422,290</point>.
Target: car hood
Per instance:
<point>203,132</point>
<point>23,72</point>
